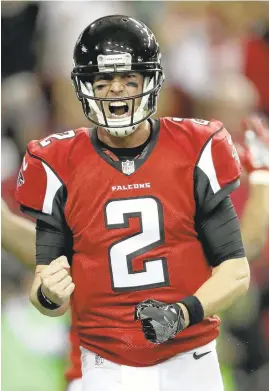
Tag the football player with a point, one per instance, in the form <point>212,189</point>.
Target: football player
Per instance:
<point>134,222</point>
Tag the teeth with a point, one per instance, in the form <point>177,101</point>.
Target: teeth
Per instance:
<point>119,116</point>
<point>117,104</point>
<point>118,109</point>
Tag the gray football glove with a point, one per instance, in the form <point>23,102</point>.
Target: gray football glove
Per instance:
<point>160,321</point>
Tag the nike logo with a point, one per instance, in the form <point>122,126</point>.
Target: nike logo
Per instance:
<point>24,164</point>
<point>198,356</point>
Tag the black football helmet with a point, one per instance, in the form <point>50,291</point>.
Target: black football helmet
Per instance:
<point>120,44</point>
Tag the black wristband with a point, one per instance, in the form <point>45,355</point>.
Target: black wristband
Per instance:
<point>45,301</point>
<point>195,309</point>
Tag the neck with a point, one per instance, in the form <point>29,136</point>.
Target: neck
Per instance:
<point>135,139</point>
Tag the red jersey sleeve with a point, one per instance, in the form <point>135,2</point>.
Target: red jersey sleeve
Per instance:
<point>32,184</point>
<point>217,170</point>
<point>41,186</point>
<point>37,188</point>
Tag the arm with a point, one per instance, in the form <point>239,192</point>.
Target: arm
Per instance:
<point>41,192</point>
<point>18,236</point>
<point>52,271</point>
<point>219,231</point>
<point>254,157</point>
<point>255,219</point>
<point>231,278</point>
<point>229,281</point>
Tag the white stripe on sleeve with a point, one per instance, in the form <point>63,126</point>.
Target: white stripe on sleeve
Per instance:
<point>53,185</point>
<point>207,166</point>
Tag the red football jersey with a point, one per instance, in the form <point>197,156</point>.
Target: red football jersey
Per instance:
<point>133,226</point>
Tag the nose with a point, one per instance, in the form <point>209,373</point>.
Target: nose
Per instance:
<point>117,86</point>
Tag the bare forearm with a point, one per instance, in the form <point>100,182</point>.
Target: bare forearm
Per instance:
<point>255,220</point>
<point>224,287</point>
<point>18,238</point>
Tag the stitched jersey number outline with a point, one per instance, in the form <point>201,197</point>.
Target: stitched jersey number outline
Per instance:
<point>151,235</point>
<point>57,136</point>
<point>196,121</point>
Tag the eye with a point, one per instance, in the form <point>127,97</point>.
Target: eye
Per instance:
<point>132,84</point>
<point>99,87</point>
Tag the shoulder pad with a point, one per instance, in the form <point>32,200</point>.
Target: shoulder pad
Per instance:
<point>192,134</point>
<point>198,128</point>
<point>45,168</point>
<point>55,149</point>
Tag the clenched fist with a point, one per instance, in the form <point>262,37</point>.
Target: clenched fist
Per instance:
<point>160,321</point>
<point>56,281</point>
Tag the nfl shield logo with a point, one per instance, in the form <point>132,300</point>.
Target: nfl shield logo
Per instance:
<point>128,167</point>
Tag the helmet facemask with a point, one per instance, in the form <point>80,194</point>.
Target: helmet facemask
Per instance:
<point>120,127</point>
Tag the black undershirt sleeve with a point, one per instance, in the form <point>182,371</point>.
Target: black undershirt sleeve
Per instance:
<point>216,221</point>
<point>205,197</point>
<point>51,243</point>
<point>53,236</point>
<point>219,233</point>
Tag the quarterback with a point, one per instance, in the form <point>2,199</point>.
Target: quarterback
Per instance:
<point>134,222</point>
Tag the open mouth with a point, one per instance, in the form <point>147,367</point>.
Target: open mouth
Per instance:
<point>118,109</point>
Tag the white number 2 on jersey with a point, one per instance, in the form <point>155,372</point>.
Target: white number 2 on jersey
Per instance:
<point>57,136</point>
<point>151,235</point>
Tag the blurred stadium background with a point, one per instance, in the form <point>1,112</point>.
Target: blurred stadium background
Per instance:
<point>216,61</point>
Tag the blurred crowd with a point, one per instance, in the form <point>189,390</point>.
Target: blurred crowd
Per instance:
<point>216,62</point>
